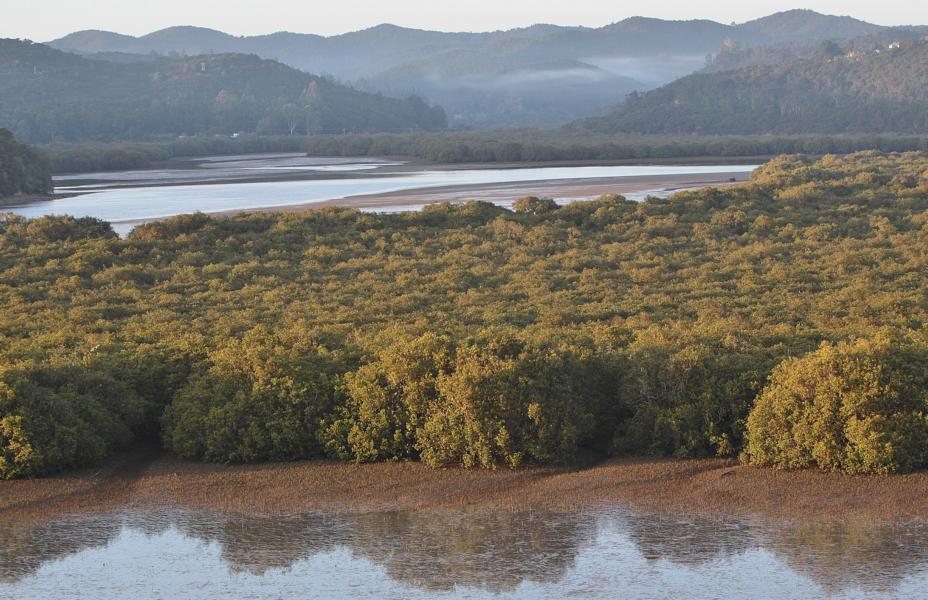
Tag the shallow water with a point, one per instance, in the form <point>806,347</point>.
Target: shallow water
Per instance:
<point>228,184</point>
<point>456,554</point>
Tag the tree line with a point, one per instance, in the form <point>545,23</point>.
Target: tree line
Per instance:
<point>22,170</point>
<point>49,96</point>
<point>869,89</point>
<point>501,146</point>
<point>782,321</point>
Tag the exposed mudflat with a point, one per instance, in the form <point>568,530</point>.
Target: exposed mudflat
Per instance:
<point>149,479</point>
<point>634,187</point>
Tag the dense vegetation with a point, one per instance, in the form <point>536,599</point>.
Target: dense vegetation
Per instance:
<point>527,145</point>
<point>881,90</point>
<point>475,335</point>
<point>51,96</point>
<point>856,408</point>
<point>22,170</point>
<point>118,156</point>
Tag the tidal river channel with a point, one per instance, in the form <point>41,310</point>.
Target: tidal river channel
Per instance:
<point>240,183</point>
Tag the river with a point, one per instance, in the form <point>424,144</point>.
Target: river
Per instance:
<point>285,181</point>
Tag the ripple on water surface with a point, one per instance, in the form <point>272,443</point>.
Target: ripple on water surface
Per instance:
<point>458,554</point>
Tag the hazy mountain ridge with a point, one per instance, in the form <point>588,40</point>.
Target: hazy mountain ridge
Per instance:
<point>49,95</point>
<point>837,90</point>
<point>458,70</point>
<point>734,56</point>
<point>803,24</point>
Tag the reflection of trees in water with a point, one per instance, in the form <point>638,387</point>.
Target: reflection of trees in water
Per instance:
<point>493,550</point>
<point>433,550</point>
<point>873,558</point>
<point>838,557</point>
<point>25,547</point>
<point>686,540</point>
<point>247,544</point>
<point>256,545</point>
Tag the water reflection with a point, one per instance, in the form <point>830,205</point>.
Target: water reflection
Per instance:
<point>256,545</point>
<point>24,548</point>
<point>495,551</point>
<point>840,557</point>
<point>461,553</point>
<point>691,541</point>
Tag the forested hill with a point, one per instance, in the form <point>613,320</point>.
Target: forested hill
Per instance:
<point>22,171</point>
<point>882,89</point>
<point>543,74</point>
<point>48,95</point>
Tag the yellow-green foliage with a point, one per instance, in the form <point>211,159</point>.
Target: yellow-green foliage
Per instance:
<point>259,398</point>
<point>859,408</point>
<point>60,416</point>
<point>388,400</point>
<point>458,334</point>
<point>688,395</point>
<point>482,404</point>
<point>506,406</point>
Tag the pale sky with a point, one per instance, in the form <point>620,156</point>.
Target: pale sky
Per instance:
<point>43,20</point>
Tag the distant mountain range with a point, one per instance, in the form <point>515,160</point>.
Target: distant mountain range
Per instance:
<point>47,95</point>
<point>855,88</point>
<point>536,75</point>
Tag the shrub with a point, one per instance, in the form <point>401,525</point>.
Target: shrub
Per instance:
<point>60,417</point>
<point>508,409</point>
<point>259,398</point>
<point>388,401</point>
<point>858,408</point>
<point>533,205</point>
<point>686,398</point>
<point>487,404</point>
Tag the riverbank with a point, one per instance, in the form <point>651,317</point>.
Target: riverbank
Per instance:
<point>711,487</point>
<point>506,193</point>
<point>290,183</point>
<point>21,199</point>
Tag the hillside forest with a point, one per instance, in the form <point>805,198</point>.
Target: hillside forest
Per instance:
<point>869,88</point>
<point>51,96</point>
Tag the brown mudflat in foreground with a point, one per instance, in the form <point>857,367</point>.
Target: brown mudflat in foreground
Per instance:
<point>711,486</point>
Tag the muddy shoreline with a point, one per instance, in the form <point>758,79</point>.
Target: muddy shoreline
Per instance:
<point>500,193</point>
<point>149,479</point>
<point>564,190</point>
<point>408,165</point>
<point>10,201</point>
